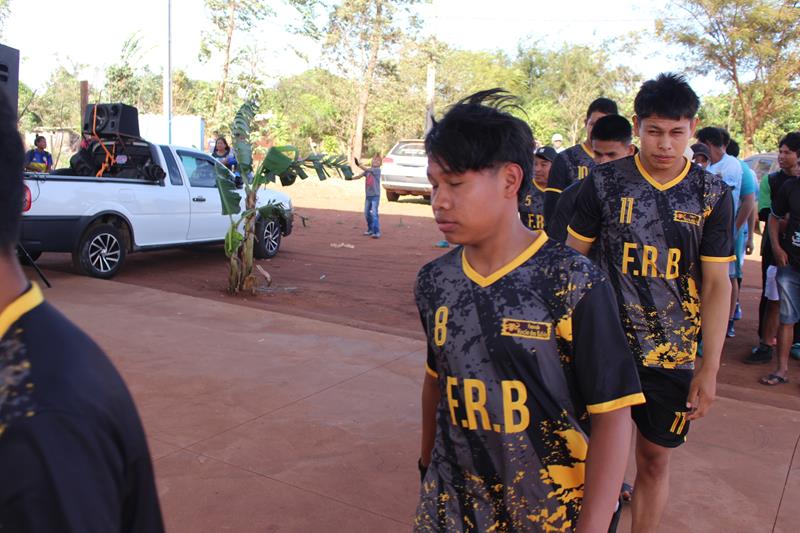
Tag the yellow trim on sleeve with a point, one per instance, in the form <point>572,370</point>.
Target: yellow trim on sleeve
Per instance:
<point>589,152</point>
<point>579,236</point>
<point>552,189</point>
<point>19,307</point>
<point>521,258</point>
<point>710,259</point>
<point>662,186</point>
<point>612,405</point>
<point>431,372</point>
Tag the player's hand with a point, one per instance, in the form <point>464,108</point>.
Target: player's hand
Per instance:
<point>781,259</point>
<point>749,248</point>
<point>702,392</point>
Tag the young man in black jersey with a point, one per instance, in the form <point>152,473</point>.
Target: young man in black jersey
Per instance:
<point>574,163</point>
<point>611,139</point>
<point>531,205</point>
<point>664,228</point>
<point>73,456</point>
<point>525,351</point>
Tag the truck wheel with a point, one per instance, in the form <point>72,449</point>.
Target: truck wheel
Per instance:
<point>101,252</point>
<point>268,238</point>
<point>392,196</point>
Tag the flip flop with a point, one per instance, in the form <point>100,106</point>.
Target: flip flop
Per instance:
<point>773,379</point>
<point>626,492</point>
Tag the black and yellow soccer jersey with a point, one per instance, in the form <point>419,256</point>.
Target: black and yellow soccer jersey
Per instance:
<point>652,239</point>
<point>571,165</point>
<point>521,358</point>
<point>531,205</point>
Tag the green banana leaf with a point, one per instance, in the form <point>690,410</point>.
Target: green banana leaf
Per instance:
<point>231,200</point>
<point>233,239</point>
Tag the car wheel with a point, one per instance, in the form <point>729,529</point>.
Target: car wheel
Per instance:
<point>268,238</point>
<point>392,196</point>
<point>23,259</point>
<point>101,252</point>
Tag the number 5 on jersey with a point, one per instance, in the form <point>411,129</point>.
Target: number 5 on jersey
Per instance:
<point>626,210</point>
<point>440,326</point>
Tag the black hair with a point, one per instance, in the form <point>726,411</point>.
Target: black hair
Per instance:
<point>668,96</point>
<point>479,132</point>
<point>227,146</point>
<point>791,141</point>
<point>733,148</point>
<point>711,135</point>
<point>12,155</point>
<point>726,137</point>
<point>606,106</point>
<point>38,138</point>
<point>612,128</point>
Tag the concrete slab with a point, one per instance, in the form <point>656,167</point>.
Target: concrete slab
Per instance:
<point>265,422</point>
<point>202,495</point>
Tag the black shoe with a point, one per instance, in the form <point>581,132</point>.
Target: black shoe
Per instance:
<point>759,356</point>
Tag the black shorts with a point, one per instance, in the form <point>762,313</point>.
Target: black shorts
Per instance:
<point>662,420</point>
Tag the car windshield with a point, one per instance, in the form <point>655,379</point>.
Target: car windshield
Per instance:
<point>409,149</point>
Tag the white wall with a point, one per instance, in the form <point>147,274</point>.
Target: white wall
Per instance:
<point>187,130</point>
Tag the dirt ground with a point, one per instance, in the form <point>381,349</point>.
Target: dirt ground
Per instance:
<point>317,274</point>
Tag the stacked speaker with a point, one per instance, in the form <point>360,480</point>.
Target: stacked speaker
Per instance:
<point>9,75</point>
<point>111,120</point>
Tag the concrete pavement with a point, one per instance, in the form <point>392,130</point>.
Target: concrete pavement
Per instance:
<point>262,422</point>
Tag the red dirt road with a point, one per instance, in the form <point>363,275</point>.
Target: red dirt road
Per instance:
<point>370,286</point>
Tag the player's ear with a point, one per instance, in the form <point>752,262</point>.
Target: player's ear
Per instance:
<point>693,125</point>
<point>512,176</point>
<point>631,149</point>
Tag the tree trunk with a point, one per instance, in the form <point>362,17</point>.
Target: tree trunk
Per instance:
<point>227,65</point>
<point>366,83</point>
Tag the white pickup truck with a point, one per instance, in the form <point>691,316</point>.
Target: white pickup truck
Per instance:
<point>101,220</point>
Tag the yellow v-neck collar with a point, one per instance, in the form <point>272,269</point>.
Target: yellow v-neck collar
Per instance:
<point>485,281</point>
<point>19,307</point>
<point>662,186</point>
<point>590,153</point>
<point>541,189</point>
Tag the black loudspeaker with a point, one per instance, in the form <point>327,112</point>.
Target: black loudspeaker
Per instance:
<point>111,119</point>
<point>9,75</point>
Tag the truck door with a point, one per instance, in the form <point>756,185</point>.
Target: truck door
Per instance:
<point>207,222</point>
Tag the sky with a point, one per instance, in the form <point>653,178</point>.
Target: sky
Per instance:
<point>92,32</point>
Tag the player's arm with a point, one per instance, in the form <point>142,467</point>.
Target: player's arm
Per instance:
<point>716,252</point>
<point>605,468</point>
<point>584,226</point>
<point>764,199</point>
<point>773,227</point>
<point>609,383</point>
<point>430,401</point>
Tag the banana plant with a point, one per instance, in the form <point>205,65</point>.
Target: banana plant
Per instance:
<point>281,162</point>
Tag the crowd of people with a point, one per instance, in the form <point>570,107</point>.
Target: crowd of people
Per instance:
<point>550,338</point>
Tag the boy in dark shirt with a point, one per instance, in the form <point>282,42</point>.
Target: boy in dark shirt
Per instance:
<point>525,351</point>
<point>784,236</point>
<point>73,455</point>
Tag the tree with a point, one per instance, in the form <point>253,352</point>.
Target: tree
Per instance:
<point>127,83</point>
<point>5,11</point>
<point>359,34</point>
<point>227,18</point>
<point>754,45</point>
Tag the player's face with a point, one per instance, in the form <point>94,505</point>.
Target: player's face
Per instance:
<point>787,159</point>
<point>591,121</point>
<point>663,141</point>
<point>469,207</point>
<point>541,170</point>
<point>605,151</point>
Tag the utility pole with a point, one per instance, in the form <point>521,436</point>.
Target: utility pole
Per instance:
<point>167,89</point>
<point>84,99</point>
<point>430,91</point>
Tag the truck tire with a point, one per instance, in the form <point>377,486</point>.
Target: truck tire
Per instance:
<point>392,196</point>
<point>268,238</point>
<point>100,252</point>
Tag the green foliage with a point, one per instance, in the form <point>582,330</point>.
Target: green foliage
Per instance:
<point>753,45</point>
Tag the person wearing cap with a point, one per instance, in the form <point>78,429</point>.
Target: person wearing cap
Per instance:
<point>532,194</point>
<point>558,142</point>
<point>702,156</point>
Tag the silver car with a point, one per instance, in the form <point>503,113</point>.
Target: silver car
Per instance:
<point>405,170</point>
<point>763,164</point>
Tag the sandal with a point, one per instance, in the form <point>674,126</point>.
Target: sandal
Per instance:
<point>626,492</point>
<point>773,379</point>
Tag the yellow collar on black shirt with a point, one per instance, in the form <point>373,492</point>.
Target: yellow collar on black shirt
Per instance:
<point>19,307</point>
<point>485,281</point>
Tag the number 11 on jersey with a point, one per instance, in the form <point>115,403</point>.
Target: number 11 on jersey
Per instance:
<point>626,210</point>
